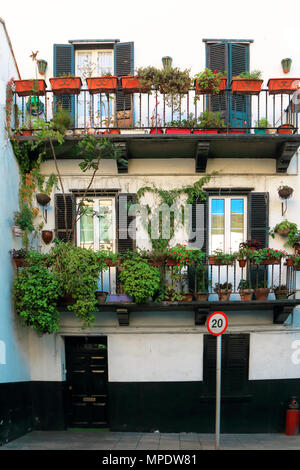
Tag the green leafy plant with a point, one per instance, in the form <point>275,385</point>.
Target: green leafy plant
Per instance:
<point>264,254</point>
<point>174,83</point>
<point>184,256</point>
<point>243,253</point>
<point>139,279</point>
<point>210,120</point>
<point>262,123</point>
<point>281,292</point>
<point>36,291</point>
<point>288,229</point>
<point>62,120</point>
<point>224,258</point>
<point>254,75</point>
<point>24,219</point>
<point>189,123</point>
<point>226,286</point>
<point>209,80</point>
<point>244,284</point>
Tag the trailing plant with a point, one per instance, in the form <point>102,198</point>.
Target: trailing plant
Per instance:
<point>291,230</point>
<point>36,291</point>
<point>174,83</point>
<point>209,80</point>
<point>139,279</point>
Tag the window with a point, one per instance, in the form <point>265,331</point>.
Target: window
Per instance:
<point>94,63</point>
<point>228,223</point>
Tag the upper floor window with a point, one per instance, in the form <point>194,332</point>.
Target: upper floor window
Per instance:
<point>95,63</point>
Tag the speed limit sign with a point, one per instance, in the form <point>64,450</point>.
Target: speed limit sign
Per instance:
<point>217,323</point>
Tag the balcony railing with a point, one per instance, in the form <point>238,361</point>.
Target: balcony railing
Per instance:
<point>152,113</point>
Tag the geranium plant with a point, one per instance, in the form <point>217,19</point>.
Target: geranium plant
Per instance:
<point>265,254</point>
<point>209,80</point>
<point>184,256</point>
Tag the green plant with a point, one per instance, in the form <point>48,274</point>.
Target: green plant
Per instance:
<point>36,291</point>
<point>21,253</point>
<point>209,80</point>
<point>244,284</point>
<point>288,229</point>
<point>24,218</point>
<point>139,279</point>
<point>254,75</point>
<point>262,123</point>
<point>226,286</point>
<point>243,253</point>
<point>264,254</point>
<point>62,120</point>
<point>78,272</point>
<point>173,83</point>
<point>202,281</point>
<point>210,120</point>
<point>224,258</point>
<point>189,123</point>
<point>149,77</point>
<point>184,256</point>
<point>281,292</point>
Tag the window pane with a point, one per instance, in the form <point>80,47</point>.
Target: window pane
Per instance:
<point>87,227</point>
<point>236,223</point>
<point>104,63</point>
<point>217,224</point>
<point>105,225</point>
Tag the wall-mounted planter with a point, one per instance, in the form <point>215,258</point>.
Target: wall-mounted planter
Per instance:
<point>47,236</point>
<point>43,199</point>
<point>132,84</point>
<point>42,66</point>
<point>66,85</point>
<point>246,86</point>
<point>286,64</point>
<point>285,129</point>
<point>278,86</point>
<point>201,296</point>
<point>30,87</point>
<point>208,91</point>
<point>102,84</point>
<point>177,130</point>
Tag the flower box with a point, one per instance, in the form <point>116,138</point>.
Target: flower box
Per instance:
<point>268,261</point>
<point>285,129</point>
<point>30,87</point>
<point>177,130</point>
<point>201,296</point>
<point>208,91</point>
<point>246,86</point>
<point>205,131</point>
<point>66,85</point>
<point>171,262</point>
<point>277,86</point>
<point>214,261</point>
<point>132,84</point>
<point>102,84</point>
<point>156,131</point>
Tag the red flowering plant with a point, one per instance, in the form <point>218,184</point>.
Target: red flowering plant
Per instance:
<point>254,244</point>
<point>209,80</point>
<point>184,256</point>
<point>9,103</point>
<point>264,254</point>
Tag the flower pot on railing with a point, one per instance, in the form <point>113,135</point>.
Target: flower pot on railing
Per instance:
<point>285,129</point>
<point>177,130</point>
<point>281,292</point>
<point>261,293</point>
<point>242,263</point>
<point>270,261</point>
<point>246,294</point>
<point>112,263</point>
<point>66,85</point>
<point>156,130</point>
<point>171,262</point>
<point>132,84</point>
<point>201,296</point>
<point>210,91</point>
<point>213,260</point>
<point>157,262</point>
<point>30,87</point>
<point>246,86</point>
<point>187,297</point>
<point>278,86</point>
<point>224,294</point>
<point>205,131</point>
<point>102,84</point>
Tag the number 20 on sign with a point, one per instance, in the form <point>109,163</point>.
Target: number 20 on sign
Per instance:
<point>217,323</point>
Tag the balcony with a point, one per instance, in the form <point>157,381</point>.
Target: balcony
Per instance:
<point>150,126</point>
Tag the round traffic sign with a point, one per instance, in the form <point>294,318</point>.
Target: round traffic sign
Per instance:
<point>217,323</point>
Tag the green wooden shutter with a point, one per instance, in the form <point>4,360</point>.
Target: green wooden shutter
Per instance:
<point>124,240</point>
<point>216,59</point>
<point>258,218</point>
<point>60,227</point>
<point>239,105</point>
<point>64,63</point>
<point>124,65</point>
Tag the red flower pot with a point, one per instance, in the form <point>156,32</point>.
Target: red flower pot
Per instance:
<point>66,85</point>
<point>261,293</point>
<point>131,84</point>
<point>246,294</point>
<point>110,263</point>
<point>278,86</point>
<point>289,262</point>
<point>156,131</point>
<point>246,86</point>
<point>242,263</point>
<point>102,84</point>
<point>205,131</point>
<point>176,130</point>
<point>172,262</point>
<point>187,297</point>
<point>285,129</point>
<point>30,87</point>
<point>207,91</point>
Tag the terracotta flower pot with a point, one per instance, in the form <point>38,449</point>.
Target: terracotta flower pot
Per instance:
<point>246,294</point>
<point>66,85</point>
<point>47,236</point>
<point>19,262</point>
<point>202,296</point>
<point>30,87</point>
<point>208,91</point>
<point>224,294</point>
<point>132,84</point>
<point>278,86</point>
<point>285,129</point>
<point>246,86</point>
<point>242,263</point>
<point>261,293</point>
<point>214,261</point>
<point>111,264</point>
<point>171,262</point>
<point>102,84</point>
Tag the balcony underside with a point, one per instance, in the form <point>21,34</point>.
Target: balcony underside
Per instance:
<point>278,147</point>
<point>280,309</point>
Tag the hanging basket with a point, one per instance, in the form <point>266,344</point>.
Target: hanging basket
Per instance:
<point>43,199</point>
<point>285,192</point>
<point>47,236</point>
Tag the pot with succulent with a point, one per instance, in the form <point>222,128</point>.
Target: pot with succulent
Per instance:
<point>210,82</point>
<point>261,292</point>
<point>223,290</point>
<point>247,83</point>
<point>246,293</point>
<point>281,292</point>
<point>220,258</point>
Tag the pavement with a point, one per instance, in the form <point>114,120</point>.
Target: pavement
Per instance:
<point>115,441</point>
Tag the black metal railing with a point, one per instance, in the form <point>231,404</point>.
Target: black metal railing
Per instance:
<point>154,113</point>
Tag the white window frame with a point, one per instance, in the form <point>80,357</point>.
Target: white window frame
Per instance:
<point>227,228</point>
<point>94,59</point>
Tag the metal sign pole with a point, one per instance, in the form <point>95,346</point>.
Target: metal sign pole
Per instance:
<point>218,389</point>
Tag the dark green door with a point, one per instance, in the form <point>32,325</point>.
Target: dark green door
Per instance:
<point>86,363</point>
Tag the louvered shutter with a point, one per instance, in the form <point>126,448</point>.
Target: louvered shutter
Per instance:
<point>199,225</point>
<point>124,65</point>
<point>258,219</point>
<point>64,63</point>
<point>125,240</point>
<point>60,227</point>
<point>239,104</point>
<point>216,59</point>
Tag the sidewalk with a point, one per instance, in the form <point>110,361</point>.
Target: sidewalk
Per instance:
<point>115,441</point>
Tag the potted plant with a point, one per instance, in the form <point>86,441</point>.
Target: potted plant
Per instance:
<point>145,80</point>
<point>223,290</point>
<point>105,84</point>
<point>210,82</point>
<point>286,229</point>
<point>262,126</point>
<point>65,85</point>
<point>183,126</point>
<point>242,256</point>
<point>44,186</point>
<point>19,256</point>
<point>246,293</point>
<point>285,129</point>
<point>285,192</point>
<point>247,83</point>
<point>261,292</point>
<point>202,283</point>
<point>140,280</point>
<point>31,87</point>
<point>294,260</point>
<point>283,85</point>
<point>267,256</point>
<point>174,83</point>
<point>209,123</point>
<point>281,292</point>
<point>182,255</point>
<point>220,258</point>
<point>251,244</point>
<point>109,258</point>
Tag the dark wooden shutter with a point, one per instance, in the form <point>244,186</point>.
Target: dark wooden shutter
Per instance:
<point>258,218</point>
<point>124,65</point>
<point>60,228</point>
<point>216,59</point>
<point>199,212</point>
<point>64,63</point>
<point>123,221</point>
